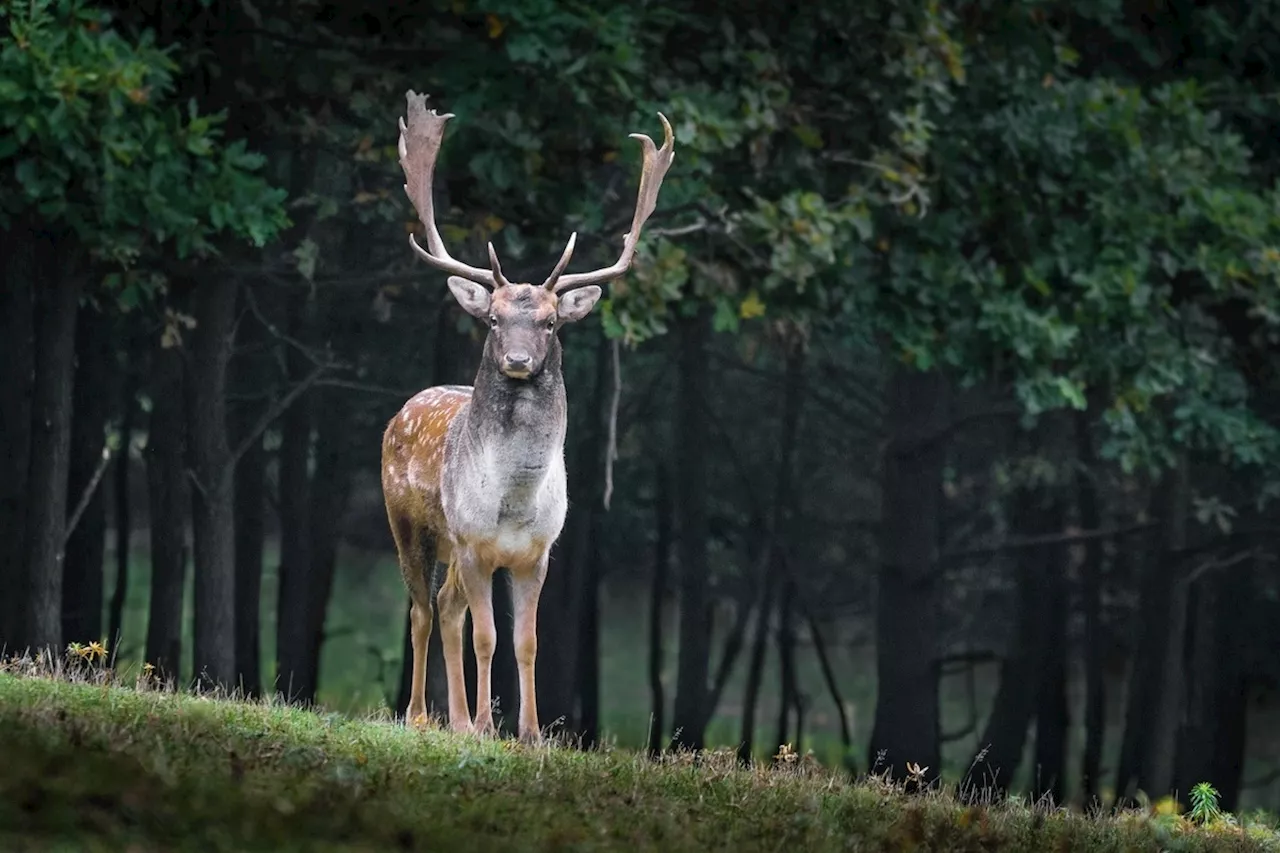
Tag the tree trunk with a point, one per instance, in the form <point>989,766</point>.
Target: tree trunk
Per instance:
<point>124,514</point>
<point>47,475</point>
<point>86,546</point>
<point>292,646</point>
<point>250,510</point>
<point>588,688</point>
<point>1095,714</point>
<point>1160,760</point>
<point>691,449</point>
<point>658,591</point>
<point>906,725</point>
<point>769,557</point>
<point>1051,691</point>
<point>329,493</point>
<point>213,498</point>
<point>17,369</point>
<point>1211,747</point>
<point>168,501</point>
<point>788,698</point>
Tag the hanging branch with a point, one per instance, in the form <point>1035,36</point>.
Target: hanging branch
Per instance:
<point>86,496</point>
<point>611,451</point>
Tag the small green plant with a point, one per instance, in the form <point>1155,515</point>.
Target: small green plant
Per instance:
<point>1204,804</point>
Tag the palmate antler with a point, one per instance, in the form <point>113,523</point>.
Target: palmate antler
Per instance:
<point>420,139</point>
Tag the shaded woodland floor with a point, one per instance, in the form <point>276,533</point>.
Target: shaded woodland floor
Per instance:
<point>360,669</point>
<point>102,766</point>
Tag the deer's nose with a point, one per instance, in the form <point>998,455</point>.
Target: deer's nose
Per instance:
<point>517,361</point>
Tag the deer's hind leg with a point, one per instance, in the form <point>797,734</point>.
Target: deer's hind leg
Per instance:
<point>416,548</point>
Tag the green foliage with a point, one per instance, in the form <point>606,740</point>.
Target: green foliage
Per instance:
<point>92,141</point>
<point>1204,803</point>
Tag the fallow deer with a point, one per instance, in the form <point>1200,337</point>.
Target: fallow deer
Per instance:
<point>474,476</point>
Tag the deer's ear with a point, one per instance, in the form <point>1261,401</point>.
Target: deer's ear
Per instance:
<point>474,298</point>
<point>577,304</point>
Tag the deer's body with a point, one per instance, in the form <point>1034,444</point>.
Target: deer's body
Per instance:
<point>474,477</point>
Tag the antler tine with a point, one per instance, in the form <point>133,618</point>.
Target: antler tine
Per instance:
<point>656,163</point>
<point>550,283</point>
<point>499,280</point>
<point>420,140</point>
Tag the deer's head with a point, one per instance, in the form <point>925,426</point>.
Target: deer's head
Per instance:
<point>522,318</point>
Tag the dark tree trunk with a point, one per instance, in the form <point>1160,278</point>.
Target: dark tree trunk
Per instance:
<point>329,493</point>
<point>691,448</point>
<point>124,514</point>
<point>906,725</point>
<point>86,545</point>
<point>1095,714</point>
<point>17,369</point>
<point>1003,739</point>
<point>658,591</point>
<point>250,539</point>
<point>1160,760</point>
<point>213,498</point>
<point>168,501</point>
<point>770,559</point>
<point>1051,690</point>
<point>589,651</point>
<point>1211,747</point>
<point>51,416</point>
<point>829,676</point>
<point>789,699</point>
<point>292,647</point>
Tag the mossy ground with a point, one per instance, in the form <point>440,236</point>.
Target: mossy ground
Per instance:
<point>93,764</point>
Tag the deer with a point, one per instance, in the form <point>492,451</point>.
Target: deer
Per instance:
<point>473,477</point>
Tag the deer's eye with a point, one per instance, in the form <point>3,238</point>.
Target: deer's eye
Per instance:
<point>493,321</point>
<point>551,324</point>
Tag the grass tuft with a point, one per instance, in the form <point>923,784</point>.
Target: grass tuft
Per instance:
<point>92,760</point>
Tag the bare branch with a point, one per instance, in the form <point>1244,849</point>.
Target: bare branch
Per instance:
<point>1023,542</point>
<point>275,411</point>
<point>86,496</point>
<point>611,450</point>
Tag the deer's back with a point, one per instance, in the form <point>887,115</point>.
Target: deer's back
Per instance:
<point>413,455</point>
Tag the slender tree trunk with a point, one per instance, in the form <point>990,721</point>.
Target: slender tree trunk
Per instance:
<point>1005,735</point>
<point>1160,759</point>
<point>124,514</point>
<point>658,591</point>
<point>292,647</point>
<point>250,510</point>
<point>691,449</point>
<point>50,458</point>
<point>771,561</point>
<point>829,676</point>
<point>329,494</point>
<point>589,652</point>
<point>906,725</point>
<point>168,501</point>
<point>213,498</point>
<point>1211,747</point>
<point>789,699</point>
<point>1051,690</point>
<point>86,546</point>
<point>1091,603</point>
<point>17,370</point>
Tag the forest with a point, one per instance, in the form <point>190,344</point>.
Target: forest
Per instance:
<point>931,429</point>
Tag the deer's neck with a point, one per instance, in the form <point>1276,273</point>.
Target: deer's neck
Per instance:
<point>519,424</point>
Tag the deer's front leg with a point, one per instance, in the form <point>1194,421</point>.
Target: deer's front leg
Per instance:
<point>526,587</point>
<point>477,580</point>
<point>451,606</point>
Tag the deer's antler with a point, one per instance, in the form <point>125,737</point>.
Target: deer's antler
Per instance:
<point>656,163</point>
<point>420,139</point>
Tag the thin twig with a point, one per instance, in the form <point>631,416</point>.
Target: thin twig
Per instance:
<point>275,411</point>
<point>1047,539</point>
<point>611,451</point>
<point>86,496</point>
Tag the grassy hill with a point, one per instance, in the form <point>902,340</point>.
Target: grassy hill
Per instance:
<point>87,765</point>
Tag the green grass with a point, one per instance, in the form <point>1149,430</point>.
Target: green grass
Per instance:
<point>89,765</point>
